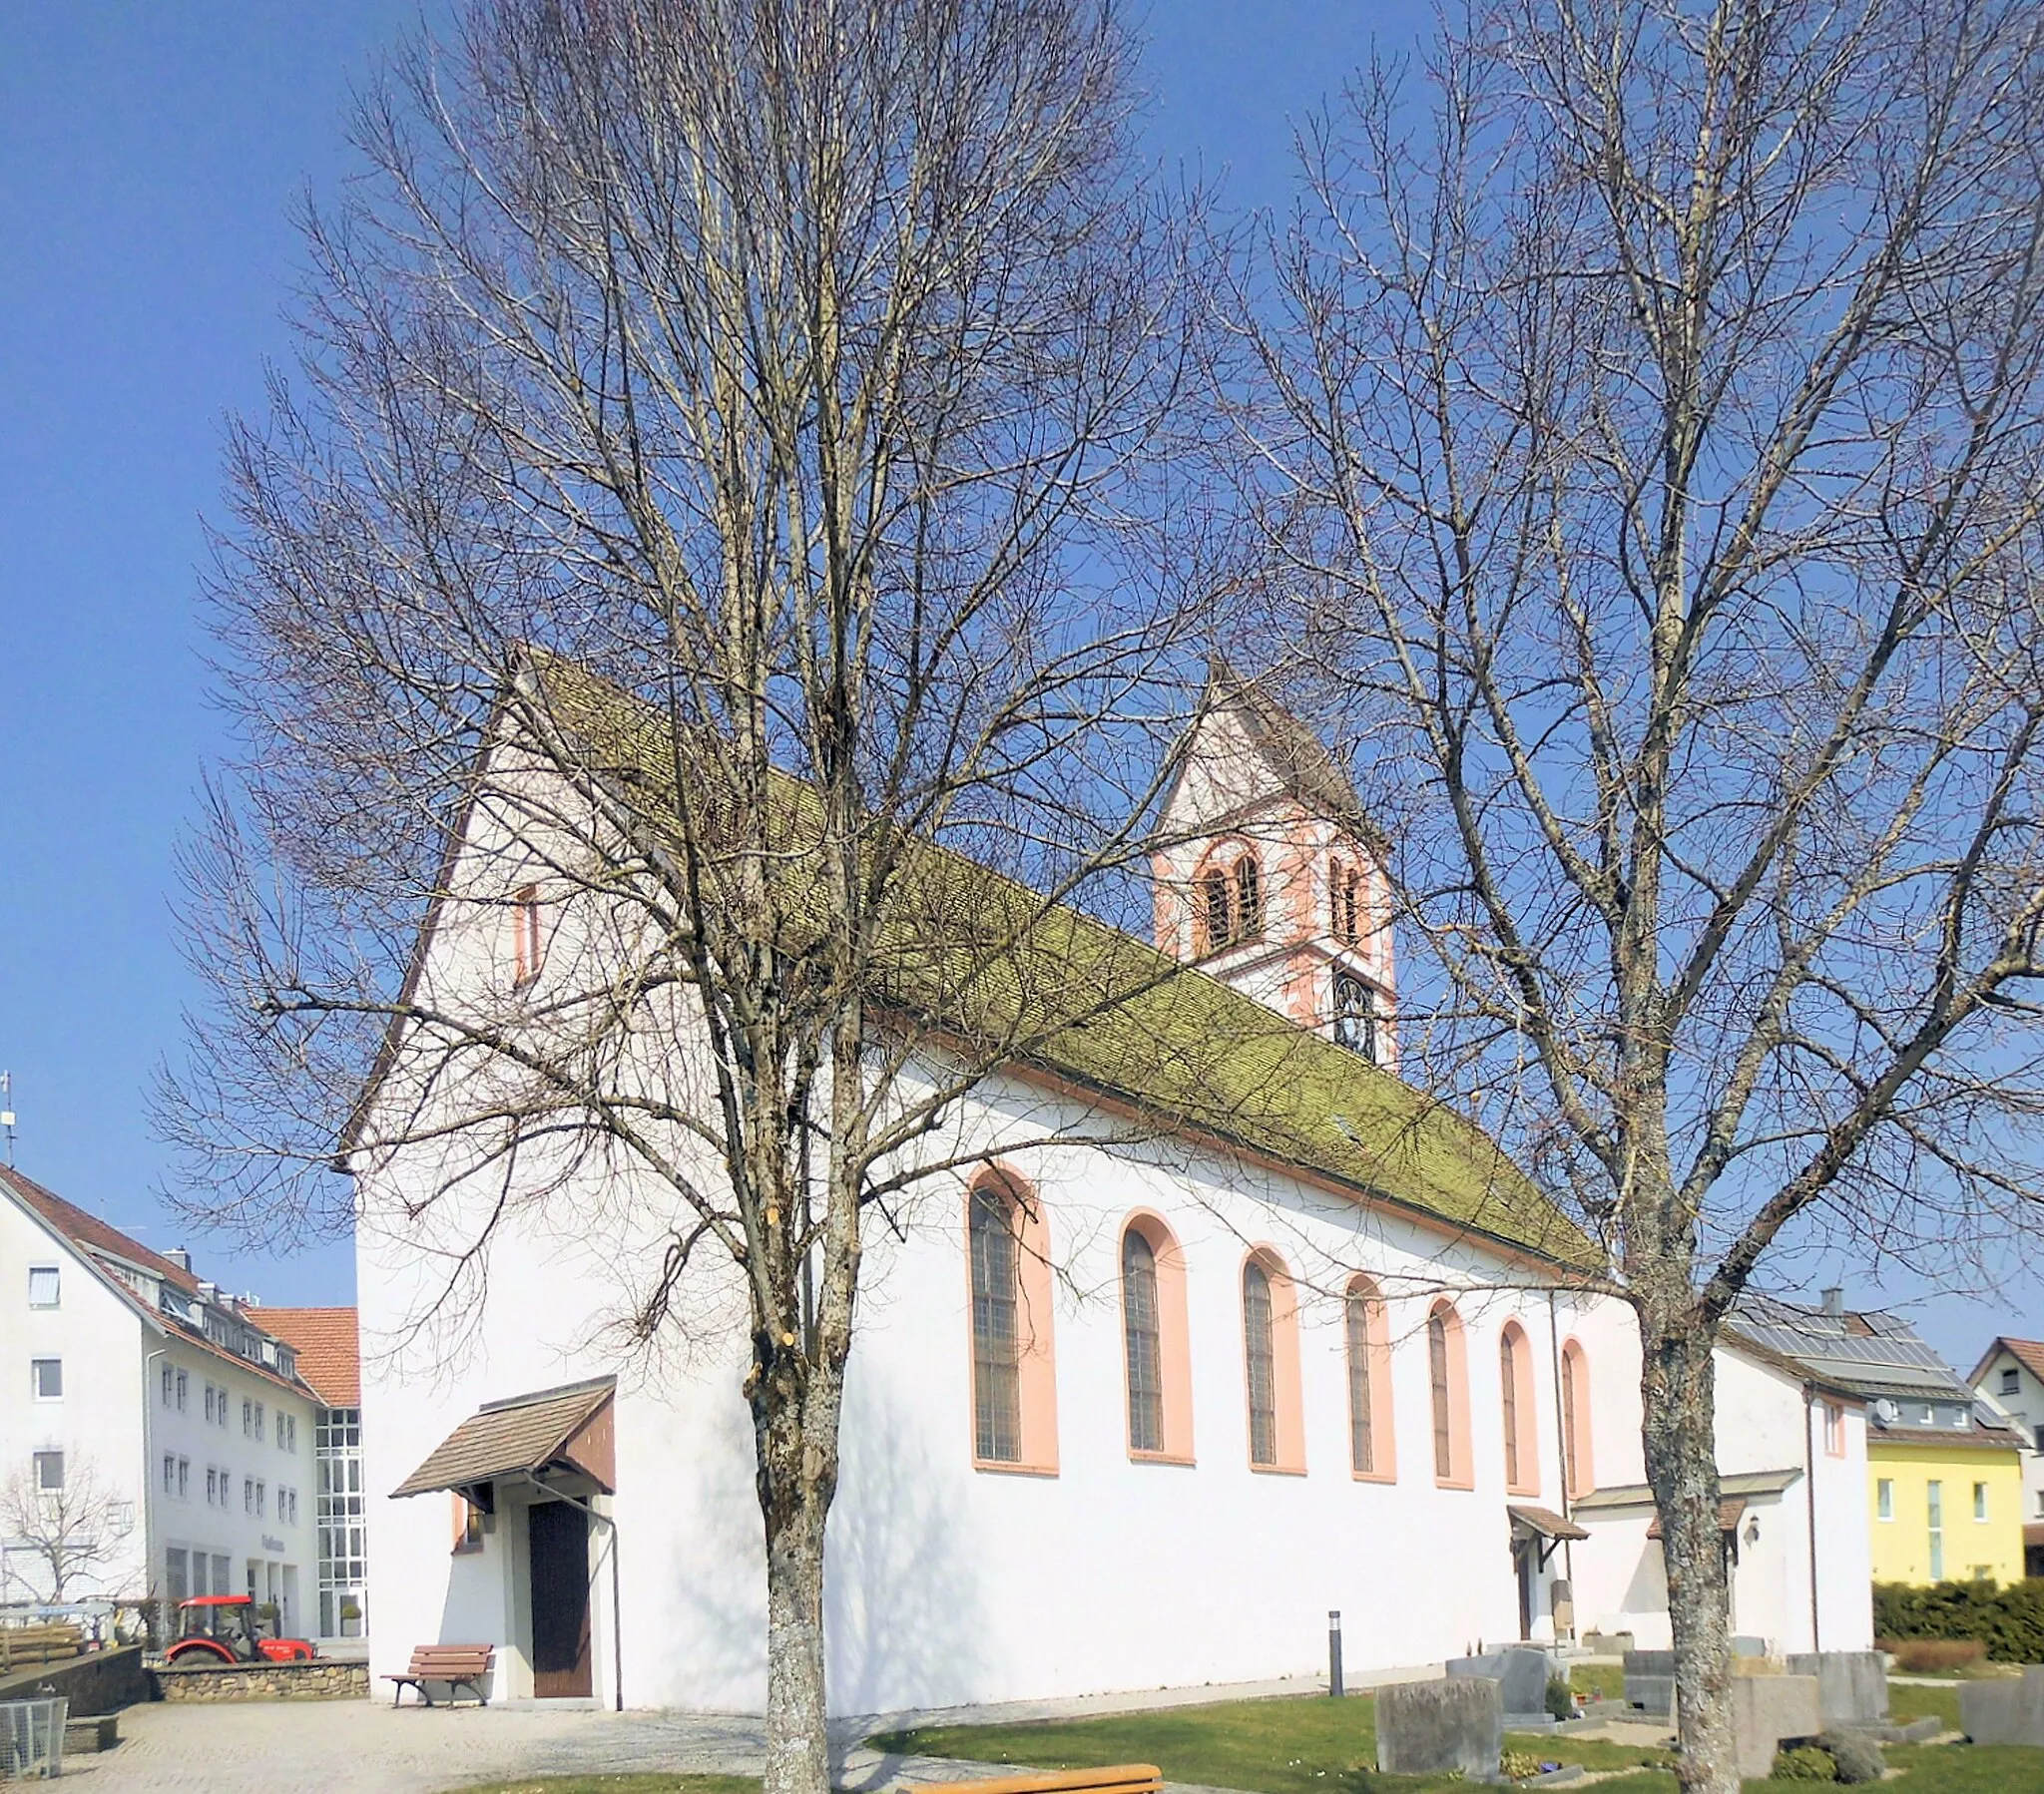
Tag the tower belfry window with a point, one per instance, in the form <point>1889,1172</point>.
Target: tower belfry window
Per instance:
<point>1355,1016</point>
<point>1346,918</point>
<point>1248,891</point>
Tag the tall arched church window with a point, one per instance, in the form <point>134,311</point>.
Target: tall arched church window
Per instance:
<point>1515,1394</point>
<point>996,1344</point>
<point>1260,1346</point>
<point>1142,1337</point>
<point>1014,1365</point>
<point>1371,1435</point>
<point>1355,1016</point>
<point>1448,1378</point>
<point>1577,1470</point>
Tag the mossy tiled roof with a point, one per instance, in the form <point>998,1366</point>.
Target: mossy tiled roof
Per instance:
<point>987,960</point>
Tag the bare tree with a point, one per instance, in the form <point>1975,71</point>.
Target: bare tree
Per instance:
<point>69,1533</point>
<point>1645,418</point>
<point>720,480</point>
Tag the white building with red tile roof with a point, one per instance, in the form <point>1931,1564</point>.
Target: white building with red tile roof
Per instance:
<point>174,1400</point>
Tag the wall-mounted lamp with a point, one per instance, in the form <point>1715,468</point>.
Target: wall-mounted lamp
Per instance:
<point>1753,1529</point>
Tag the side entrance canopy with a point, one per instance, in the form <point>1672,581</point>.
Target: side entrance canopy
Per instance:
<point>566,1430</point>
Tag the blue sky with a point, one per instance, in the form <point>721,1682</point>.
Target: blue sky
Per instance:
<point>148,156</point>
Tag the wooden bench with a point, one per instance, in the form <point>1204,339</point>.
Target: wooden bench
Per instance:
<point>459,1666</point>
<point>1122,1778</point>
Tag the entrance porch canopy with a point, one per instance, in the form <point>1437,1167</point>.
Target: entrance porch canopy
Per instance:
<point>568,1431</point>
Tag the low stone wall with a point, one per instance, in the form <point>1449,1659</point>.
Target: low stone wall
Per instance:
<point>103,1681</point>
<point>320,1679</point>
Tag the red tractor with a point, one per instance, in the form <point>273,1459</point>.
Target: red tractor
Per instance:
<point>229,1630</point>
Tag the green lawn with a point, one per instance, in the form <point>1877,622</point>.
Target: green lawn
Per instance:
<point>1313,1745</point>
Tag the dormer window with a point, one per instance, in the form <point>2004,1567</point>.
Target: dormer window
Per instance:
<point>1229,905</point>
<point>1355,1016</point>
<point>1346,919</point>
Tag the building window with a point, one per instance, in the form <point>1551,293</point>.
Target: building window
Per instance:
<point>1515,1392</point>
<point>1885,1499</point>
<point>2011,1380</point>
<point>1259,1344</point>
<point>184,1479</point>
<point>1834,1430</point>
<point>1933,1497</point>
<point>248,1418</point>
<point>1346,884</point>
<point>44,1286</point>
<point>1155,1348</point>
<point>525,933</point>
<point>1270,1328</point>
<point>184,1389</point>
<point>170,1385</point>
<point>49,1467</point>
<point>287,1432</point>
<point>1578,1470</point>
<point>338,1514</point>
<point>996,1300</point>
<point>1979,1501</point>
<point>259,1420</point>
<point>170,1474</point>
<point>261,1499</point>
<point>1355,1016</point>
<point>1448,1379</point>
<point>1229,905</point>
<point>1369,1356</point>
<point>1143,1342</point>
<point>46,1378</point>
<point>1014,1369</point>
<point>247,1494</point>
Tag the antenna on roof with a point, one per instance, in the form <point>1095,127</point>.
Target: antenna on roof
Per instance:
<point>7,1113</point>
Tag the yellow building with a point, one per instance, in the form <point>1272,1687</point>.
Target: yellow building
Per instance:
<point>1947,1502</point>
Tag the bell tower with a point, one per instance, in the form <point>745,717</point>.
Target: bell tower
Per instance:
<point>1267,873</point>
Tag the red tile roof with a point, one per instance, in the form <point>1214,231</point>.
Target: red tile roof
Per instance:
<point>328,1348</point>
<point>2029,1353</point>
<point>89,1230</point>
<point>94,1238</point>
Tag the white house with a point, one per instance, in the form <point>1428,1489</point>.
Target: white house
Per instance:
<point>1328,1354</point>
<point>2010,1378</point>
<point>127,1377</point>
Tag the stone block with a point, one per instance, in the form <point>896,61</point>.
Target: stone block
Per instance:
<point>1766,1711</point>
<point>1650,1680</point>
<point>2004,1710</point>
<point>1435,1728</point>
<point>1521,1675</point>
<point>1852,1686</point>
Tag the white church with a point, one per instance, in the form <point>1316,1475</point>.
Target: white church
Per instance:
<point>1273,1376</point>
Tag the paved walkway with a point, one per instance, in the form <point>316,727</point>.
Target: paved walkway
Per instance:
<point>364,1747</point>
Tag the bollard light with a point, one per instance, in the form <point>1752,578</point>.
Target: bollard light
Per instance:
<point>1334,1653</point>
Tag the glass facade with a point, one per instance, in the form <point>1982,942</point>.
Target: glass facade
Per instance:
<point>343,1554</point>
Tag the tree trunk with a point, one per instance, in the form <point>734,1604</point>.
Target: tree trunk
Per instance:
<point>1677,1393</point>
<point>794,1413</point>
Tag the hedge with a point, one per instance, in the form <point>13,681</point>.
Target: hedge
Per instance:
<point>2010,1622</point>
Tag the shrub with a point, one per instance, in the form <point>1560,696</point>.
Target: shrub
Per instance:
<point>2008,1622</point>
<point>1917,1656</point>
<point>1858,1759</point>
<point>1805,1763</point>
<point>1519,1765</point>
<point>1560,1701</point>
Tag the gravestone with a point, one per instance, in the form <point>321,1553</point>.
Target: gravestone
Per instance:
<point>1852,1686</point>
<point>2004,1712</point>
<point>1650,1680</point>
<point>1433,1728</point>
<point>1769,1711</point>
<point>1521,1675</point>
